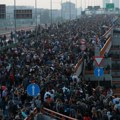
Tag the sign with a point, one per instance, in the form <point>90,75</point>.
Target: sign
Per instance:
<point>33,90</point>
<point>109,6</point>
<point>90,7</point>
<point>82,41</point>
<point>98,60</point>
<point>2,11</point>
<point>96,7</point>
<point>98,72</point>
<point>83,44</point>
<point>83,47</point>
<point>23,14</point>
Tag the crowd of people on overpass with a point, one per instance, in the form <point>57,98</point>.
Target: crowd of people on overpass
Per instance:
<point>47,57</point>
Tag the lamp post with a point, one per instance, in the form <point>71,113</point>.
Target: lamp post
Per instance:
<point>85,4</point>
<point>70,9</point>
<point>61,11</point>
<point>76,9</point>
<point>94,3</point>
<point>15,18</point>
<point>51,10</point>
<point>36,19</point>
<point>36,12</point>
<point>81,4</point>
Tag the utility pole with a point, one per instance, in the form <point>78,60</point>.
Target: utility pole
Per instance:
<point>51,9</point>
<point>76,9</point>
<point>70,9</point>
<point>15,18</point>
<point>61,11</point>
<point>36,20</point>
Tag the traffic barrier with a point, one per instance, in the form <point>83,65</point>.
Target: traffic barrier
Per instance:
<point>23,28</point>
<point>78,67</point>
<point>51,113</point>
<point>57,115</point>
<point>109,32</point>
<point>33,113</point>
<point>92,72</point>
<point>106,47</point>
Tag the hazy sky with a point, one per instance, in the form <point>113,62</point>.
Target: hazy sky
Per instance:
<point>55,3</point>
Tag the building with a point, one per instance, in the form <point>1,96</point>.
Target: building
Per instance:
<point>56,13</point>
<point>79,10</point>
<point>116,3</point>
<point>104,3</point>
<point>19,22</point>
<point>68,10</point>
<point>10,10</point>
<point>2,11</point>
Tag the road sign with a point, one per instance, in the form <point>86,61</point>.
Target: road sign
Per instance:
<point>98,60</point>
<point>23,14</point>
<point>82,41</point>
<point>2,11</point>
<point>98,72</point>
<point>33,90</point>
<point>83,47</point>
<point>110,6</point>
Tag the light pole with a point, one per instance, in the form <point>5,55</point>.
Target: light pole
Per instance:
<point>40,16</point>
<point>51,9</point>
<point>94,3</point>
<point>70,9</point>
<point>81,4</point>
<point>36,12</point>
<point>36,19</point>
<point>76,9</point>
<point>61,11</point>
<point>85,4</point>
<point>15,18</point>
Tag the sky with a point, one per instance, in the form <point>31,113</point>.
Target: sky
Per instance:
<point>55,3</point>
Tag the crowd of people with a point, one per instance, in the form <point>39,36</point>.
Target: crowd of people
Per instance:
<point>47,56</point>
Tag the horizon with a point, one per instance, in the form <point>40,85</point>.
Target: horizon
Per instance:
<point>56,4</point>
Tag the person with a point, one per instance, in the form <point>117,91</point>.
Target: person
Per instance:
<point>86,117</point>
<point>49,61</point>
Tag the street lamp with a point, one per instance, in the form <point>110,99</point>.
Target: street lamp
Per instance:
<point>76,9</point>
<point>85,4</point>
<point>94,3</point>
<point>81,4</point>
<point>61,11</point>
<point>15,18</point>
<point>36,19</point>
<point>70,9</point>
<point>36,12</point>
<point>51,9</point>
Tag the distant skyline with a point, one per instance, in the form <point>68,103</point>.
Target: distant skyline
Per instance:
<point>56,4</point>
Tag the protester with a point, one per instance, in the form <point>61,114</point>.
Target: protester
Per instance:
<point>48,59</point>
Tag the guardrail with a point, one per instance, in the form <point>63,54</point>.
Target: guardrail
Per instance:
<point>92,72</point>
<point>106,35</point>
<point>23,28</point>
<point>51,113</point>
<point>106,47</point>
<point>32,114</point>
<point>78,67</point>
<point>57,115</point>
